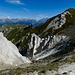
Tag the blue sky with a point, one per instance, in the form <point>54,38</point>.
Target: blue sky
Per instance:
<point>35,9</point>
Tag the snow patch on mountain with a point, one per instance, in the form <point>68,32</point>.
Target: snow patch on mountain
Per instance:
<point>9,54</point>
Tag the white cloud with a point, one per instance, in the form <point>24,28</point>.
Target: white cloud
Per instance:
<point>8,17</point>
<point>40,16</point>
<point>26,10</point>
<point>15,2</point>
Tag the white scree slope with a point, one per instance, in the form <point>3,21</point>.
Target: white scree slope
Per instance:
<point>58,21</point>
<point>44,45</point>
<point>9,53</point>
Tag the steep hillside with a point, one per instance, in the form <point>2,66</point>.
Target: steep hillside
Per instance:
<point>60,25</point>
<point>9,54</point>
<point>50,46</point>
<point>19,36</point>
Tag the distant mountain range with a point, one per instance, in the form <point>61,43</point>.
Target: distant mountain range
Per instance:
<point>22,21</point>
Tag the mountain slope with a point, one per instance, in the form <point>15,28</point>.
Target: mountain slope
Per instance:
<point>44,47</point>
<point>9,53</point>
<point>50,46</point>
<point>55,26</point>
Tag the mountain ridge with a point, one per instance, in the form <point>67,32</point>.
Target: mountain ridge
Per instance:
<point>53,26</point>
<point>50,46</point>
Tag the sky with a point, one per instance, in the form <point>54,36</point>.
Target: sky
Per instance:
<point>33,9</point>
